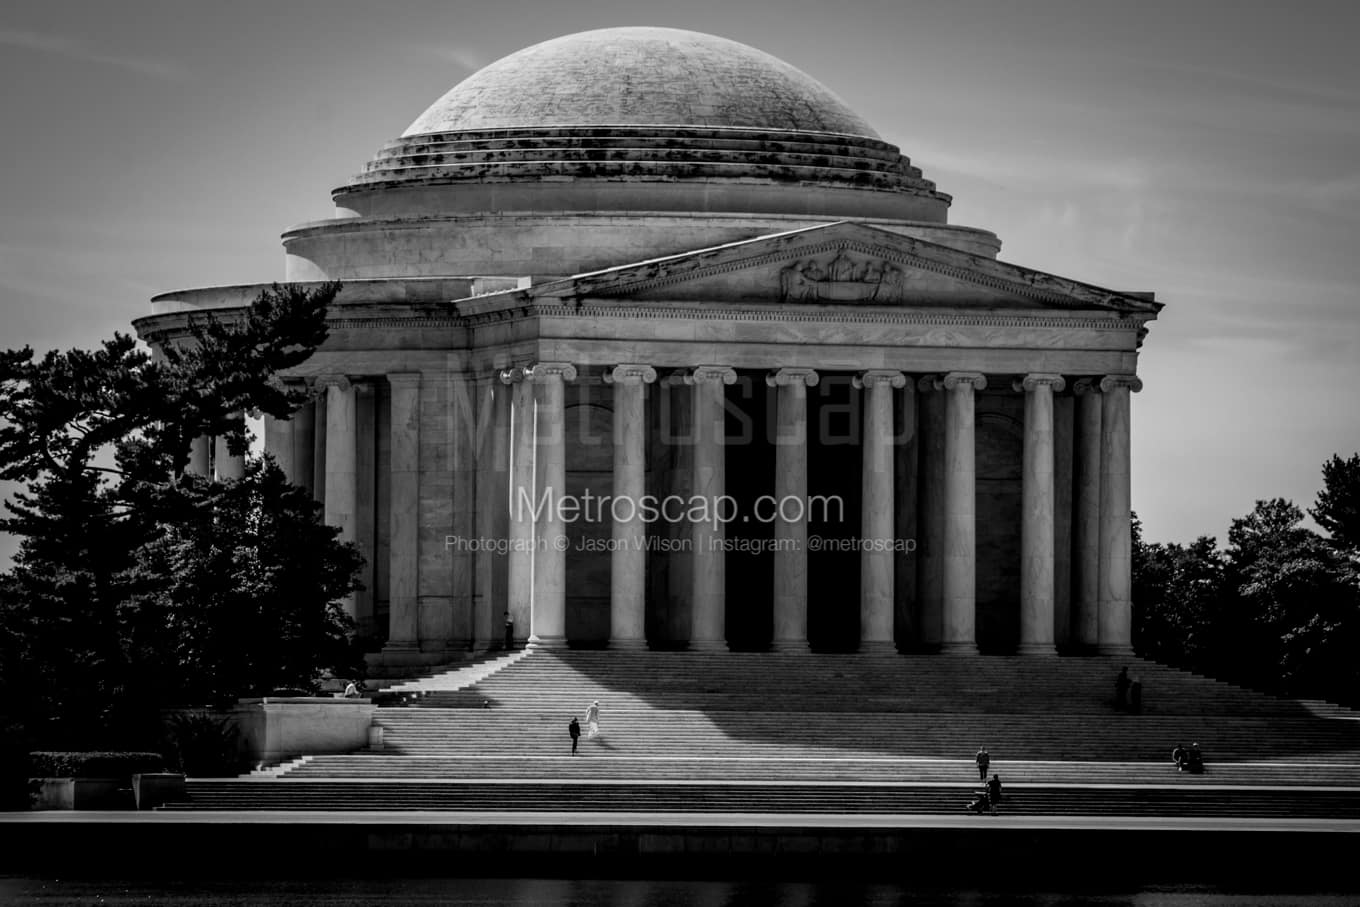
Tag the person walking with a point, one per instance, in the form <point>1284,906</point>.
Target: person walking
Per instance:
<point>509,632</point>
<point>574,729</point>
<point>593,720</point>
<point>983,760</point>
<point>994,792</point>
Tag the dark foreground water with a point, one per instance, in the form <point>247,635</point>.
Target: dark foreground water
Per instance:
<point>613,893</point>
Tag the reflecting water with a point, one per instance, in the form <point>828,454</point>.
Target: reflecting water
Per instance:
<point>605,893</point>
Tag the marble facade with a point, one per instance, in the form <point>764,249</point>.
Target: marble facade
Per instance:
<point>749,339</point>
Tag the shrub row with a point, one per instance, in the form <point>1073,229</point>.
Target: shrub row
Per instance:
<point>93,765</point>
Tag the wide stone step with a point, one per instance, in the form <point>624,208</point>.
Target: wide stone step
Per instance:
<point>593,766</point>
<point>747,798</point>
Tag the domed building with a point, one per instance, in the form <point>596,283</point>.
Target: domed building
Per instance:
<point>647,339</point>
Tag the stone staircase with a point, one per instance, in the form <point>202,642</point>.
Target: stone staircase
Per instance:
<point>758,732</point>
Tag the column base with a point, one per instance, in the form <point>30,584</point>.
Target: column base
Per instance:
<point>628,645</point>
<point>708,645</point>
<point>877,647</point>
<point>796,646</point>
<point>1037,648</point>
<point>1121,651</point>
<point>958,648</point>
<point>553,643</point>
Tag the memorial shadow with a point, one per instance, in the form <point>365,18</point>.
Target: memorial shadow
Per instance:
<point>845,705</point>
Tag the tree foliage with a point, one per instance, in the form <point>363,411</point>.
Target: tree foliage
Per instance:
<point>1279,609</point>
<point>1337,509</point>
<point>136,585</point>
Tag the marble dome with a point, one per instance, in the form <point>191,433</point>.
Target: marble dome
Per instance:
<point>616,145</point>
<point>642,118</point>
<point>640,76</point>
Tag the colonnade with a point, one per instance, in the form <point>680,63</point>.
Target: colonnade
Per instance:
<point>324,459</point>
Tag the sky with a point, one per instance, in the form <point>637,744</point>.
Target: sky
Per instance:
<point>1208,151</point>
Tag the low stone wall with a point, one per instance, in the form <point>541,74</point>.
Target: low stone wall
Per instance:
<point>83,793</point>
<point>275,729</point>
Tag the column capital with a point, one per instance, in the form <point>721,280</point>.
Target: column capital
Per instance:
<point>1111,382</point>
<point>1086,386</point>
<point>781,377</point>
<point>702,374</point>
<point>977,380</point>
<point>1040,379</point>
<point>513,375</point>
<point>323,382</point>
<point>886,376</point>
<point>404,379</point>
<point>928,383</point>
<point>630,373</point>
<point>541,371</point>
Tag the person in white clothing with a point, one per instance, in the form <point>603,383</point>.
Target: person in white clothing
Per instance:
<point>593,720</point>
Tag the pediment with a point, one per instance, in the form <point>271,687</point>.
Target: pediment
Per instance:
<point>842,264</point>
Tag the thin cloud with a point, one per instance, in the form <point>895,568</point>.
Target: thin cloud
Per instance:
<point>461,56</point>
<point>76,49</point>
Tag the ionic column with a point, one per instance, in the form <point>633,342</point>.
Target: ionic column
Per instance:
<point>708,617</point>
<point>1036,509</point>
<point>341,476</point>
<point>226,464</point>
<point>548,609</point>
<point>520,500</point>
<point>930,512</point>
<point>278,443</point>
<point>959,583</point>
<point>790,483</point>
<point>628,556</point>
<point>403,578</point>
<point>876,511</point>
<point>1086,515</point>
<point>1063,405</point>
<point>1115,633</point>
<point>199,460</point>
<point>493,461</point>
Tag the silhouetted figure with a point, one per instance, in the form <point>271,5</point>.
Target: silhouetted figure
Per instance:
<point>352,690</point>
<point>1195,760</point>
<point>1181,756</point>
<point>1121,689</point>
<point>574,729</point>
<point>983,760</point>
<point>1136,696</point>
<point>994,791</point>
<point>509,632</point>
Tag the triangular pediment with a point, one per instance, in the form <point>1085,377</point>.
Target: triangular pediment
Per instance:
<point>842,264</point>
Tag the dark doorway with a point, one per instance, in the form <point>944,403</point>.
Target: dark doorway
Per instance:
<point>834,478</point>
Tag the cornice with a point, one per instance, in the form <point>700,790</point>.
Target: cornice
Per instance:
<point>786,313</point>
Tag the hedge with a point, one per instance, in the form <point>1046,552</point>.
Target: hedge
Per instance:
<point>93,765</point>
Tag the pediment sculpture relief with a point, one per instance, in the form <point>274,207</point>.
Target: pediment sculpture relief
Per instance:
<point>841,279</point>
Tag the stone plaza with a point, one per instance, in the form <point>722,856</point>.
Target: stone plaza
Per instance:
<point>643,264</point>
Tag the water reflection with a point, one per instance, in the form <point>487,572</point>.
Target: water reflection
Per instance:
<point>605,893</point>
